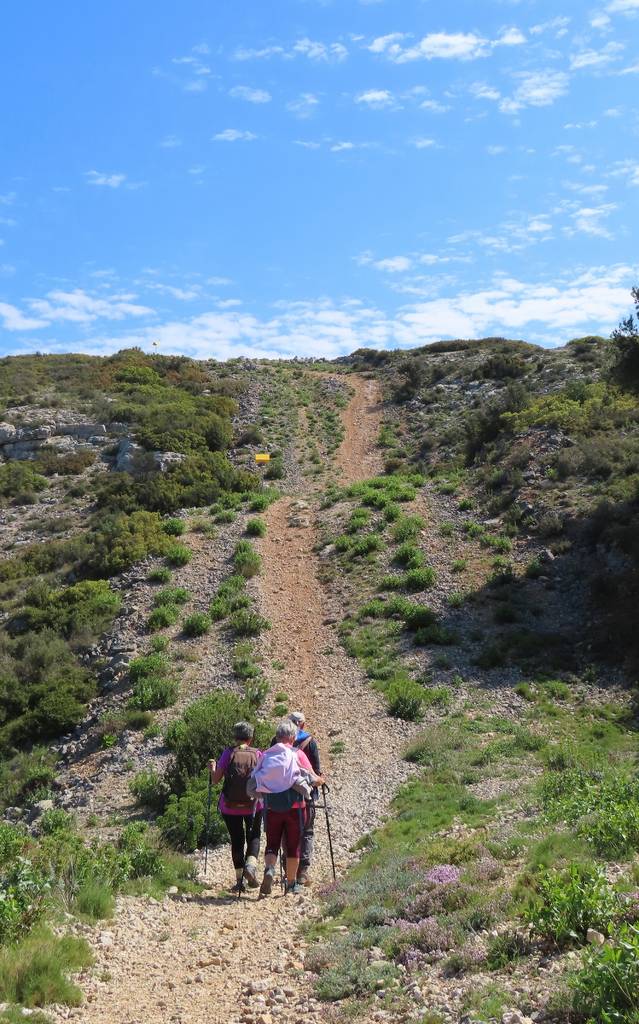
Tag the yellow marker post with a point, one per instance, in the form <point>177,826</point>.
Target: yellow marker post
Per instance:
<point>262,457</point>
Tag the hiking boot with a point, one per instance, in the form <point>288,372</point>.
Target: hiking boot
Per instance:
<point>294,888</point>
<point>250,875</point>
<point>267,883</point>
<point>239,887</point>
<point>302,876</point>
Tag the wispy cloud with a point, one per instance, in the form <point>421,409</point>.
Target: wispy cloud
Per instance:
<point>170,142</point>
<point>597,58</point>
<point>245,92</point>
<point>14,319</point>
<point>313,49</point>
<point>376,99</point>
<point>442,45</point>
<point>304,106</point>
<point>79,307</point>
<point>105,180</point>
<point>234,135</point>
<point>589,220</point>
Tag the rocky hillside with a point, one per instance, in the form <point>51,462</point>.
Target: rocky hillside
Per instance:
<point>439,564</point>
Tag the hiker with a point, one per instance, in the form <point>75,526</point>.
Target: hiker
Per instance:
<point>284,779</point>
<point>242,813</point>
<point>305,742</point>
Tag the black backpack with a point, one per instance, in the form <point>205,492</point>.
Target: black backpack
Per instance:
<point>243,761</point>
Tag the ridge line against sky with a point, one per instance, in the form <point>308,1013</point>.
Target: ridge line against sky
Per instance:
<point>316,178</point>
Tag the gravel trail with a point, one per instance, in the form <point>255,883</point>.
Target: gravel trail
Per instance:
<point>216,960</point>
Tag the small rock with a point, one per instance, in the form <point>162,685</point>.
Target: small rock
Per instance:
<point>594,937</point>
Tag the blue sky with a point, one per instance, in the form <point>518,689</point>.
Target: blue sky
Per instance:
<point>296,177</point>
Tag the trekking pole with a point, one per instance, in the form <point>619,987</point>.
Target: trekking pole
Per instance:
<point>325,792</point>
<point>207,828</point>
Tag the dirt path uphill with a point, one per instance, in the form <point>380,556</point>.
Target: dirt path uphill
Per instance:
<point>212,959</point>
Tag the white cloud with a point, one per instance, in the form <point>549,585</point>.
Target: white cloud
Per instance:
<point>588,220</point>
<point>234,135</point>
<point>376,99</point>
<point>495,150</point>
<point>443,46</point>
<point>341,147</point>
<point>434,106</point>
<point>305,144</point>
<point>320,51</point>
<point>623,7</point>
<point>557,26</point>
<point>170,142</point>
<point>14,320</point>
<point>552,313</point>
<point>79,307</point>
<point>394,264</point>
<point>304,106</point>
<point>536,89</point>
<point>106,180</point>
<point>182,294</point>
<point>8,199</point>
<point>510,37</point>
<point>388,44</point>
<point>245,53</point>
<point>424,143</point>
<point>596,58</point>
<point>220,282</point>
<point>482,91</point>
<point>245,92</point>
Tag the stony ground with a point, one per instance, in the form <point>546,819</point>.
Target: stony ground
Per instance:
<point>211,958</point>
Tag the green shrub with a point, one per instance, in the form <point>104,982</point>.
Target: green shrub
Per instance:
<point>437,696</point>
<point>568,903</point>
<point>171,595</point>
<point>534,569</point>
<point>248,623</point>
<point>159,575</point>
<point>256,528</point>
<point>174,527</point>
<point>118,541</point>
<point>417,616</point>
<point>178,554</point>
<point>205,730</point>
<point>409,556</point>
<point>407,528</point>
<point>24,890</point>
<point>420,579</point>
<point>95,900</point>
<point>601,804</point>
<point>150,790</point>
<point>160,618</point>
<point>18,479</point>
<point>353,976</point>
<point>260,502</point>
<point>405,699</point>
<point>459,565</point>
<point>606,989</point>
<point>35,971</point>
<point>148,665</point>
<point>196,624</point>
<point>152,693</point>
<point>183,823</point>
<point>506,948</point>
<point>246,560</point>
<point>54,821</point>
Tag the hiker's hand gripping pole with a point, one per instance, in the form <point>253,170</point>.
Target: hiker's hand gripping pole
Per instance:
<point>207,828</point>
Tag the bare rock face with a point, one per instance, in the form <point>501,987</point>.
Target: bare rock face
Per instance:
<point>133,458</point>
<point>7,433</point>
<point>81,430</point>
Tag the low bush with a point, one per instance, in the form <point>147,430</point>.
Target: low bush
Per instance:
<point>601,804</point>
<point>161,574</point>
<point>152,693</point>
<point>196,624</point>
<point>568,903</point>
<point>405,699</point>
<point>246,560</point>
<point>246,623</point>
<point>409,556</point>
<point>407,528</point>
<point>150,790</point>
<point>171,595</point>
<point>183,821</point>
<point>174,527</point>
<point>24,890</point>
<point>160,618</point>
<point>148,665</point>
<point>36,972</point>
<point>606,989</point>
<point>178,554</point>
<point>256,528</point>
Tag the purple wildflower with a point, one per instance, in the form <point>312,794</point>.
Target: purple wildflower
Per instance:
<point>443,874</point>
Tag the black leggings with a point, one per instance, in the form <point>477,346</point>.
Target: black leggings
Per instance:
<point>244,831</point>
